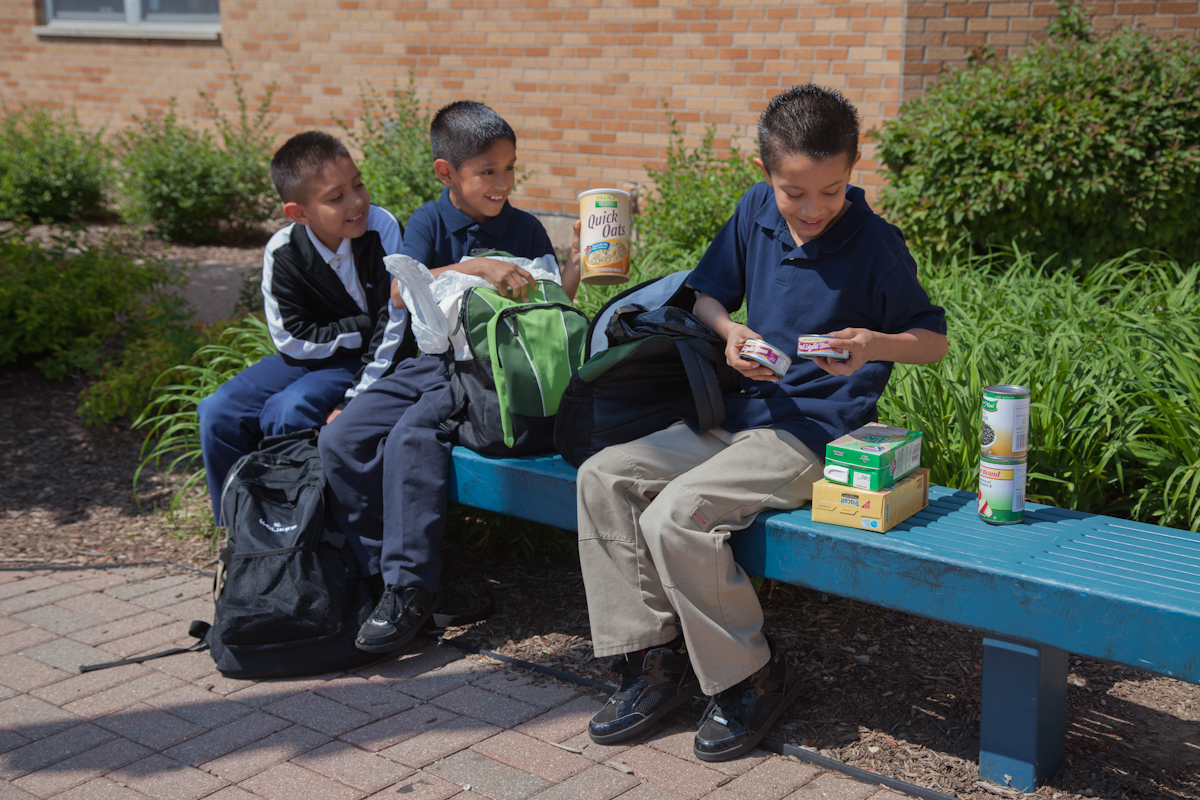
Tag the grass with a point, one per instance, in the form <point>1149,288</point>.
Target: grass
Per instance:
<point>1113,362</point>
<point>170,422</point>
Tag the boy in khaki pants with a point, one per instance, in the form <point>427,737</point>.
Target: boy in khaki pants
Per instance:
<point>665,596</point>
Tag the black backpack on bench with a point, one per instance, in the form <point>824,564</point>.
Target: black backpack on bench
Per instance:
<point>649,363</point>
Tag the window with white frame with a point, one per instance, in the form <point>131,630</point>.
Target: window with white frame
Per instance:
<point>132,18</point>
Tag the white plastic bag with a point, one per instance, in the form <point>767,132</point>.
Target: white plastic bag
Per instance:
<point>433,303</point>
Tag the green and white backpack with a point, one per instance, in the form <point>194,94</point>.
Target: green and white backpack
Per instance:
<point>524,353</point>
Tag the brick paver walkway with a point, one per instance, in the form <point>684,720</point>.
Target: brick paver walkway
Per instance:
<point>430,724</point>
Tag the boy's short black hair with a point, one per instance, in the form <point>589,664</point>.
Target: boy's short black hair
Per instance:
<point>466,129</point>
<point>300,158</point>
<point>808,120</point>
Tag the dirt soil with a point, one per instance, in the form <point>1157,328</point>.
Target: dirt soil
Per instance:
<point>884,691</point>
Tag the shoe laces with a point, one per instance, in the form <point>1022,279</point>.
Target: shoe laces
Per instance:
<point>726,699</point>
<point>627,669</point>
<point>390,599</point>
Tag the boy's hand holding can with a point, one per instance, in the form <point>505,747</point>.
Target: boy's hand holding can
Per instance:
<point>738,336</point>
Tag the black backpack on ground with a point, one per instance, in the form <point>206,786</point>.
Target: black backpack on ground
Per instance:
<point>649,363</point>
<point>290,595</point>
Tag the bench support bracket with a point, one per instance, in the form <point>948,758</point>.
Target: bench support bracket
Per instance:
<point>1024,715</point>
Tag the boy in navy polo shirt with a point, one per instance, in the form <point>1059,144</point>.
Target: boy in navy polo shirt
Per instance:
<point>665,595</point>
<point>325,292</point>
<point>386,459</point>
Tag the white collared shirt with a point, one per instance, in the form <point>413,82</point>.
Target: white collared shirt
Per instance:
<point>342,263</point>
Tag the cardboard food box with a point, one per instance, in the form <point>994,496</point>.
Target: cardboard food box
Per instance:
<point>874,456</point>
<point>873,511</point>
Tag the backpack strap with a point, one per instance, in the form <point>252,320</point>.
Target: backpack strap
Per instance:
<point>198,629</point>
<point>697,357</point>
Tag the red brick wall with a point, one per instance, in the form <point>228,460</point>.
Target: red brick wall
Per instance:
<point>940,34</point>
<point>582,81</point>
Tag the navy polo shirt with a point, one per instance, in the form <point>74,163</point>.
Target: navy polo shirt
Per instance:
<point>857,274</point>
<point>438,234</point>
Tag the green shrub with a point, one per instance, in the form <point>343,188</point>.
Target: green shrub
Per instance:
<point>73,307</point>
<point>50,167</point>
<point>695,193</point>
<point>1087,146</point>
<point>397,164</point>
<point>169,420</point>
<point>1112,359</point>
<point>194,186</point>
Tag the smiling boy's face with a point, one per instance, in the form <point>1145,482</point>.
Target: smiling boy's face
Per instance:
<point>336,204</point>
<point>810,193</point>
<point>479,186</point>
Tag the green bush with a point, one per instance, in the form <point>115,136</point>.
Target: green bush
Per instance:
<point>169,420</point>
<point>1087,146</point>
<point>397,164</point>
<point>74,307</point>
<point>1112,359</point>
<point>50,167</point>
<point>695,193</point>
<point>194,186</point>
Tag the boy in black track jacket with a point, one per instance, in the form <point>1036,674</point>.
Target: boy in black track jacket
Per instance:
<point>327,300</point>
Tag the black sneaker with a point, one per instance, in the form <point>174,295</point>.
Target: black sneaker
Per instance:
<point>397,618</point>
<point>653,682</point>
<point>738,718</point>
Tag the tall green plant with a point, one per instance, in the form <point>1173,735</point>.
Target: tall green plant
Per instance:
<point>1112,359</point>
<point>192,186</point>
<point>1085,147</point>
<point>695,192</point>
<point>51,168</point>
<point>397,164</point>
<point>170,421</point>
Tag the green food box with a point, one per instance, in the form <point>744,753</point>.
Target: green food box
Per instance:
<point>872,457</point>
<point>869,480</point>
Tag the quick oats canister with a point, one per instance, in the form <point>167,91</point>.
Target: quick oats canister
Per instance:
<point>604,236</point>
<point>1001,490</point>
<point>1005,429</point>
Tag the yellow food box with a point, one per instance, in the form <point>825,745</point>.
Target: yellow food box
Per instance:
<point>878,511</point>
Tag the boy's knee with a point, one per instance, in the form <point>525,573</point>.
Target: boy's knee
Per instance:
<point>603,468</point>
<point>283,413</point>
<point>214,414</point>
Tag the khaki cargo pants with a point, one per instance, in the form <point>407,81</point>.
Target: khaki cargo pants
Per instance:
<point>655,517</point>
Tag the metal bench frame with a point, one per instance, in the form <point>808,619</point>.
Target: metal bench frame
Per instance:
<point>1062,582</point>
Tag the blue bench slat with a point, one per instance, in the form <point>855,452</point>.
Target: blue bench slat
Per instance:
<point>1098,586</point>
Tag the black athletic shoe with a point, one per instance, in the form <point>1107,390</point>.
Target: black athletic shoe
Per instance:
<point>397,618</point>
<point>738,718</point>
<point>653,682</point>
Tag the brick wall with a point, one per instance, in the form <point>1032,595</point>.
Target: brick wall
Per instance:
<point>582,81</point>
<point>940,34</point>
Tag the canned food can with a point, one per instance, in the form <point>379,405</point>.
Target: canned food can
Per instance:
<point>1005,429</point>
<point>1001,490</point>
<point>770,357</point>
<point>604,236</point>
<point>812,346</point>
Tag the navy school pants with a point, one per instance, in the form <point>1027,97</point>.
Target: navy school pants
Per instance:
<point>269,398</point>
<point>387,464</point>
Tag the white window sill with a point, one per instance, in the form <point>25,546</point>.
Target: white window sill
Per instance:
<point>197,31</point>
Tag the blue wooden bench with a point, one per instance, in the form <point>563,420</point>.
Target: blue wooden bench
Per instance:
<point>1062,582</point>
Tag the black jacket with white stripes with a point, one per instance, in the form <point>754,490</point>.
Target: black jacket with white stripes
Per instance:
<point>312,318</point>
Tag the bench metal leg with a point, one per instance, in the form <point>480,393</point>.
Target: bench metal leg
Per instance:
<point>1024,717</point>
